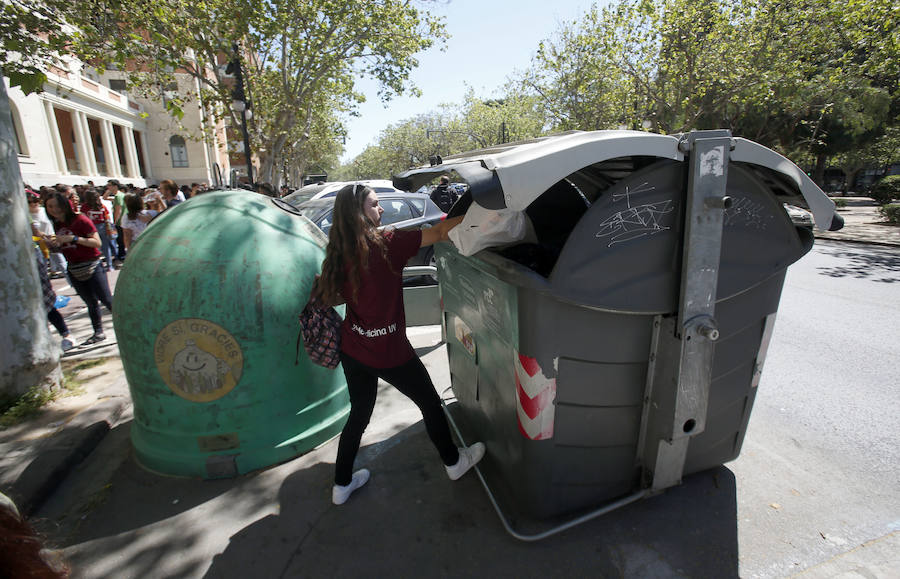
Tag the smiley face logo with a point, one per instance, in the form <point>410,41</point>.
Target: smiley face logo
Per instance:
<point>198,360</point>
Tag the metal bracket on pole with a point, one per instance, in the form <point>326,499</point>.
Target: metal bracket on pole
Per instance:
<point>680,366</point>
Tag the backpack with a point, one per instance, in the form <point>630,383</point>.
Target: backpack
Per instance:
<point>443,197</point>
<point>320,330</point>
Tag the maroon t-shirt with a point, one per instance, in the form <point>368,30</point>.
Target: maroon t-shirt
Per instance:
<point>82,227</point>
<point>374,329</point>
<point>97,216</point>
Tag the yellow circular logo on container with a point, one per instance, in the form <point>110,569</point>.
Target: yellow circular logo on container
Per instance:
<point>198,360</point>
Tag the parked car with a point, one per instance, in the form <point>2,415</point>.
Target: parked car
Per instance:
<point>308,191</point>
<point>401,210</point>
<point>330,189</point>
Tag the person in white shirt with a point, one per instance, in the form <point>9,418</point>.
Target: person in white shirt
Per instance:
<point>42,223</point>
<point>136,218</point>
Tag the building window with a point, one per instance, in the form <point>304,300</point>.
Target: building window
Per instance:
<point>117,85</point>
<point>66,126</point>
<point>139,146</point>
<point>21,144</point>
<point>178,149</point>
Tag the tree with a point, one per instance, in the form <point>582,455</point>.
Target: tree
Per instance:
<point>454,128</point>
<point>577,85</point>
<point>514,116</point>
<point>299,59</point>
<point>880,152</point>
<point>33,36</point>
<point>814,78</point>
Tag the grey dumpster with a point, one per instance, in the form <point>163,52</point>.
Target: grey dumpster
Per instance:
<point>621,351</point>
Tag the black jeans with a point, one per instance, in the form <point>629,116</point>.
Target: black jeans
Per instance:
<point>94,291</point>
<point>58,322</point>
<point>120,254</point>
<point>413,381</point>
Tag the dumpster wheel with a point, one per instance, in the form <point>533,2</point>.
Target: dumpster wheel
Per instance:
<point>607,508</point>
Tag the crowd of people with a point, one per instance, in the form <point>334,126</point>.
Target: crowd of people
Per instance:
<point>82,231</point>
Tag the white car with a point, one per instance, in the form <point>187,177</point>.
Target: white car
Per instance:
<point>330,189</point>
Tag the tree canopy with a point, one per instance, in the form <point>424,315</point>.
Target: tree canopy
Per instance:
<point>299,59</point>
<point>815,79</point>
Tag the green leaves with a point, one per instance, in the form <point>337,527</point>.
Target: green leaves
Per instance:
<point>816,74</point>
<point>29,79</point>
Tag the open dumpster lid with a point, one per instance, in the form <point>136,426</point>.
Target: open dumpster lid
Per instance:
<point>515,174</point>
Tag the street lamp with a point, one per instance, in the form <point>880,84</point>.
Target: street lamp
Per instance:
<point>240,105</point>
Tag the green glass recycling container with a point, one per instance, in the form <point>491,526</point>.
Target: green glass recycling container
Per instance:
<point>205,314</point>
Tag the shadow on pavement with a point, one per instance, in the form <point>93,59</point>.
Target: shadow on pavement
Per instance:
<point>877,264</point>
<point>143,498</point>
<point>410,520</point>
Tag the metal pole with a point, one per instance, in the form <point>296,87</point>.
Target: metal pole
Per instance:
<point>247,154</point>
<point>239,94</point>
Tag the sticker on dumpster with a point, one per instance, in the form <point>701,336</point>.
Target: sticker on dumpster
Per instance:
<point>464,336</point>
<point>535,394</point>
<point>197,359</point>
<point>712,162</point>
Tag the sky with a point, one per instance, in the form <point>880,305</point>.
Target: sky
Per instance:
<point>489,40</point>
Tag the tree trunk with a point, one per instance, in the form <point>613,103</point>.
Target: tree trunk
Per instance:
<point>28,354</point>
<point>818,175</point>
<point>267,159</point>
<point>850,180</point>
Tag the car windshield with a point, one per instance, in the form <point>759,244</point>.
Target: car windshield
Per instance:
<point>303,194</point>
<point>316,210</point>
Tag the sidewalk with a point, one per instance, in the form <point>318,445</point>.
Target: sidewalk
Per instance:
<point>38,456</point>
<point>863,224</point>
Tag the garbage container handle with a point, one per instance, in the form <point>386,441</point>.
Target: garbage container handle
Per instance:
<point>607,508</point>
<point>417,270</point>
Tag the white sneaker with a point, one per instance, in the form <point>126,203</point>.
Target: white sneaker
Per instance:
<point>340,494</point>
<point>468,457</point>
<point>66,344</point>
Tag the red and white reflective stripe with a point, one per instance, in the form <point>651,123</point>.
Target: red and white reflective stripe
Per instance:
<point>535,394</point>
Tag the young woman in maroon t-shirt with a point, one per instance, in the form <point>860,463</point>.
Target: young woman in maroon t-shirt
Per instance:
<point>364,268</point>
<point>94,210</point>
<point>78,240</point>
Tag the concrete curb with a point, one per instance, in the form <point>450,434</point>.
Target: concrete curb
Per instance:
<point>40,468</point>
<point>855,240</point>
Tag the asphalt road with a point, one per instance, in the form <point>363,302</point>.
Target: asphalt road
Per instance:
<point>816,488</point>
<point>823,445</point>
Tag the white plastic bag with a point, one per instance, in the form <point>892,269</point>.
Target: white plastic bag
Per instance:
<point>482,228</point>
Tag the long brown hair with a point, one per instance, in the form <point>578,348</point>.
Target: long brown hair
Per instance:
<point>63,202</point>
<point>348,243</point>
<point>134,205</point>
<point>92,199</point>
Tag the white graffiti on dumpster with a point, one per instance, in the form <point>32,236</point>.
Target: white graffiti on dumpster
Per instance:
<point>635,222</point>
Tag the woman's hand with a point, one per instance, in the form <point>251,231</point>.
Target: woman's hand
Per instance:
<point>440,231</point>
<point>50,240</point>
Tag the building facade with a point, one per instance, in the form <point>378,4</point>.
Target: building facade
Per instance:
<point>84,127</point>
